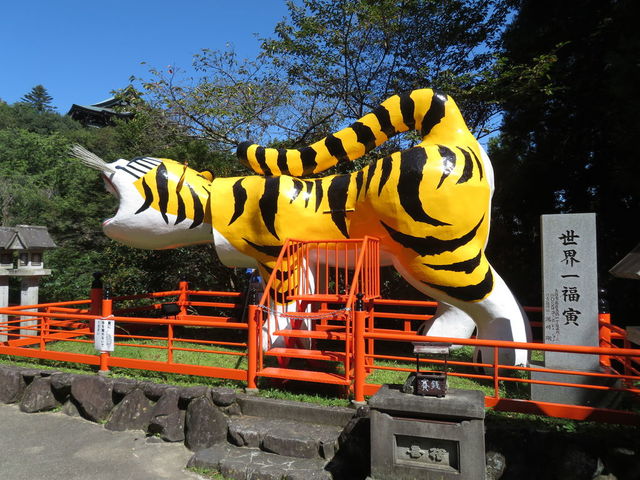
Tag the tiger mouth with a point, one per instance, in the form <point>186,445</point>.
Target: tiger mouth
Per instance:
<point>111,189</point>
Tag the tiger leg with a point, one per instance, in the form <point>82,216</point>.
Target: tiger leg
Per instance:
<point>497,316</point>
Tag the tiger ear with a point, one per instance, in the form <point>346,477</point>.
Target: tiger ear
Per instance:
<point>208,174</point>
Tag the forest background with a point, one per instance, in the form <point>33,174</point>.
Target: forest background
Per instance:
<point>550,87</point>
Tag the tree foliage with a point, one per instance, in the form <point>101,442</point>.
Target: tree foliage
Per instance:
<point>567,141</point>
<point>41,185</point>
<point>352,54</point>
<point>39,99</point>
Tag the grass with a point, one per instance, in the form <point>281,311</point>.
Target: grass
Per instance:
<point>228,357</point>
<point>147,349</point>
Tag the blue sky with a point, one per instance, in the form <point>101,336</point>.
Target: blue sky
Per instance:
<point>82,50</point>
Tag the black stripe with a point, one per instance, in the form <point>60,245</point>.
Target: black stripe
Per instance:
<point>284,275</point>
<point>431,245</point>
<point>336,149</point>
<point>283,164</point>
<point>337,194</point>
<point>147,162</point>
<point>407,108</point>
<point>130,173</point>
<point>435,113</point>
<point>412,163</point>
<point>270,250</point>
<point>469,293</point>
<point>448,162</point>
<point>319,193</point>
<point>359,179</point>
<point>241,153</point>
<point>308,157</point>
<point>261,158</point>
<point>468,167</point>
<point>268,204</point>
<point>297,188</point>
<point>307,195</point>
<point>466,266</point>
<point>384,174</point>
<point>162,186</point>
<point>182,214</point>
<point>198,209</point>
<point>382,114</point>
<point>239,200</point>
<point>365,136</point>
<point>148,197</point>
<point>371,171</point>
<point>478,162</point>
<point>135,168</point>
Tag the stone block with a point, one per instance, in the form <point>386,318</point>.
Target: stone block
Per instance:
<point>61,383</point>
<point>132,413</point>
<point>123,386</point>
<point>13,385</point>
<point>573,395</point>
<point>69,408</point>
<point>291,410</point>
<point>153,390</point>
<point>93,397</point>
<point>427,437</point>
<point>189,393</point>
<point>167,419</point>
<point>245,463</point>
<point>205,425</point>
<point>223,396</point>
<point>38,396</point>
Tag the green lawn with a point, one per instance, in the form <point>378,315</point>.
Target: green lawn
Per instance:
<point>228,357</point>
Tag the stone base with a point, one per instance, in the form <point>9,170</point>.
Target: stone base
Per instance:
<point>573,395</point>
<point>427,437</point>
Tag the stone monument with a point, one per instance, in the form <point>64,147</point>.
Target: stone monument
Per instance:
<point>570,306</point>
<point>427,437</point>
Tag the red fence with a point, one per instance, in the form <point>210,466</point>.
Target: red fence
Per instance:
<point>354,345</point>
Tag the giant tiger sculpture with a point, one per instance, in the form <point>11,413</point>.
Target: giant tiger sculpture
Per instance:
<point>429,205</point>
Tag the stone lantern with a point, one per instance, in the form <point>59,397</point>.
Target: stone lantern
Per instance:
<point>21,256</point>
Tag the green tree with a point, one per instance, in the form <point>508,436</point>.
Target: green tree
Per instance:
<point>39,98</point>
<point>567,141</point>
<point>350,55</point>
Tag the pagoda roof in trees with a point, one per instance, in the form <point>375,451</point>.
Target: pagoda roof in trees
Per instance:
<point>98,114</point>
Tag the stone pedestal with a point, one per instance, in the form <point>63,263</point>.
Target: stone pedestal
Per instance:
<point>427,437</point>
<point>29,290</point>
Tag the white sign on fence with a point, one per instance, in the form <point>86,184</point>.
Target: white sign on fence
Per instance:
<point>104,334</point>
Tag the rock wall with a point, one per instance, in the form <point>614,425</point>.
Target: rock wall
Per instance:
<point>197,416</point>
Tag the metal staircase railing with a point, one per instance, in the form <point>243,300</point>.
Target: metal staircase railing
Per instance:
<point>309,302</point>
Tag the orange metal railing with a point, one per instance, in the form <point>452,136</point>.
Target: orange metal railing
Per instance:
<point>348,342</point>
<point>157,344</point>
<point>308,280</point>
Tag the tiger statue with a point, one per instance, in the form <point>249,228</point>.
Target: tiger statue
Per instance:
<point>429,205</point>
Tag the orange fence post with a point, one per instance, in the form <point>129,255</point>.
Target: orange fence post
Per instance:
<point>107,309</point>
<point>496,382</point>
<point>183,297</point>
<point>604,320</point>
<point>252,346</point>
<point>96,298</point>
<point>359,374</point>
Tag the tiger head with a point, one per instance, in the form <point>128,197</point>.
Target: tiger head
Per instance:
<point>162,203</point>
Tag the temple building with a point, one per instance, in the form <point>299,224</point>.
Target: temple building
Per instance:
<point>99,114</point>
